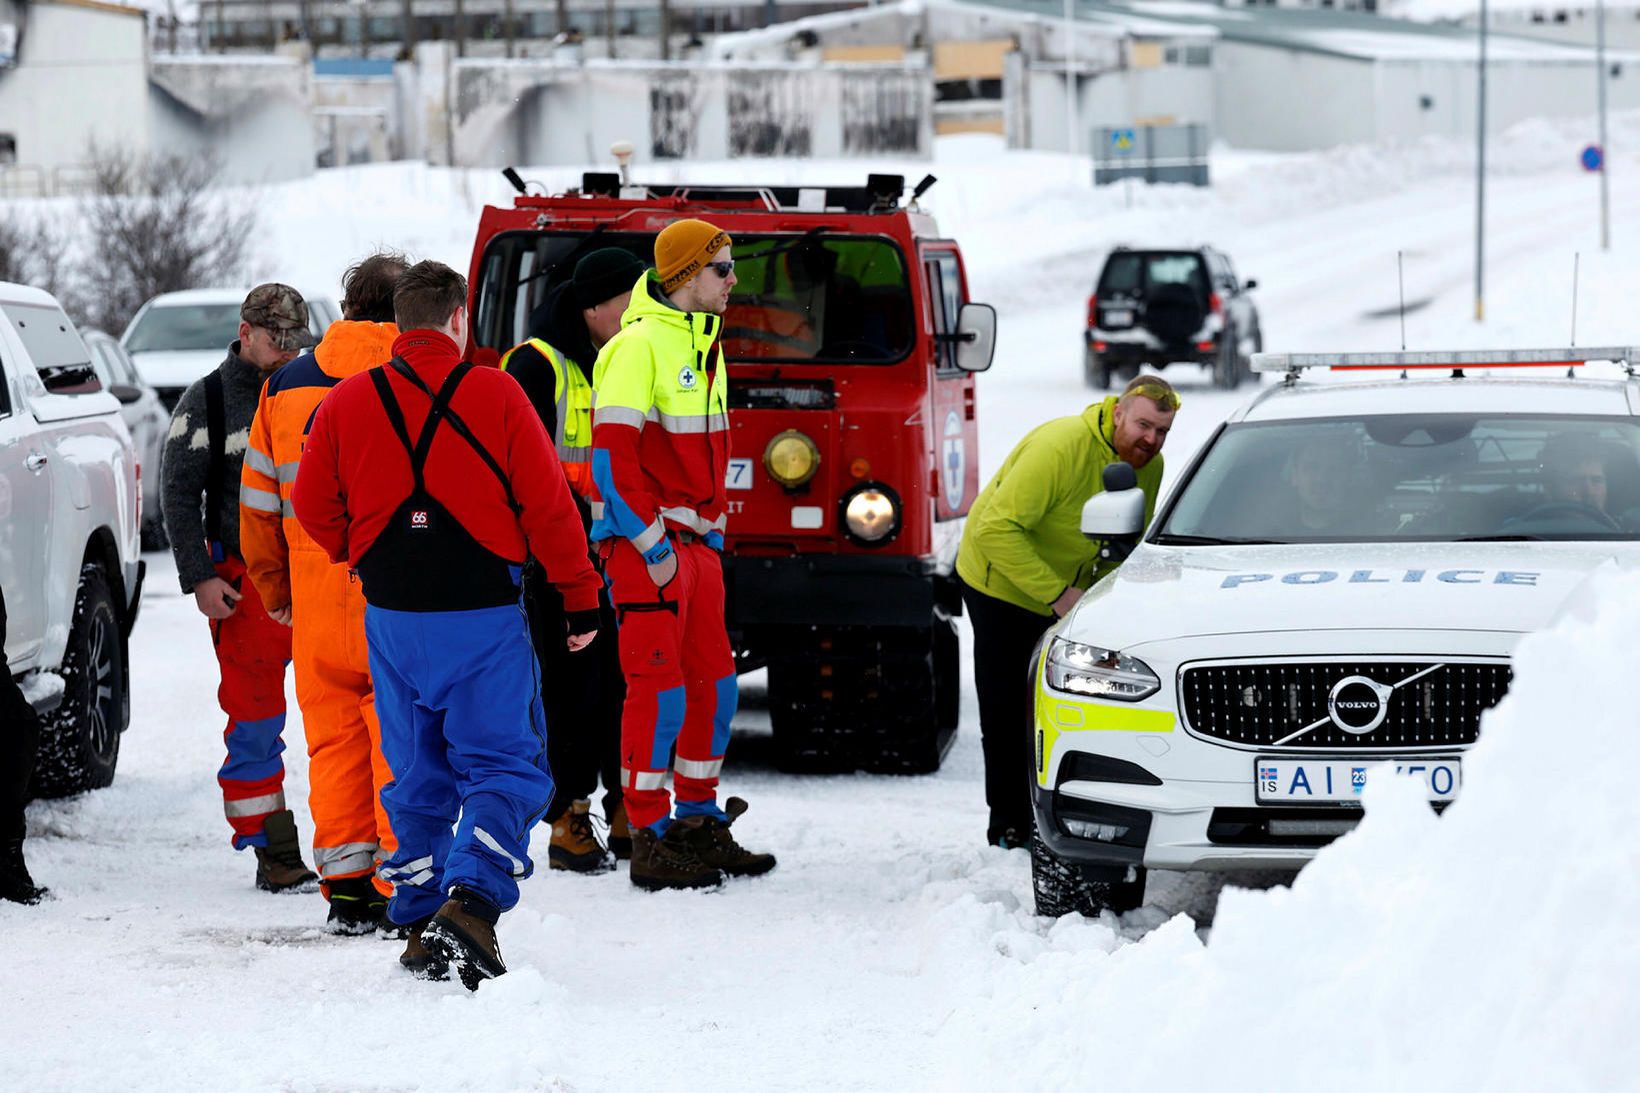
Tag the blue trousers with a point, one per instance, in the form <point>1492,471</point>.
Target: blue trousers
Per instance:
<point>463,731</point>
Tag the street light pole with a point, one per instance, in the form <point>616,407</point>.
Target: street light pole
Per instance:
<point>1071,109</point>
<point>1480,180</point>
<point>1605,153</point>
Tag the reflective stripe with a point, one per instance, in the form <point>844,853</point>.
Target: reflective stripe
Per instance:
<point>699,768</point>
<point>649,536</point>
<point>255,806</point>
<point>260,500</point>
<point>416,866</point>
<point>574,455</point>
<point>692,520</point>
<point>683,423</point>
<point>597,510</point>
<point>642,779</point>
<point>287,471</point>
<point>619,415</point>
<point>518,867</point>
<point>259,461</point>
<point>419,879</point>
<point>348,858</point>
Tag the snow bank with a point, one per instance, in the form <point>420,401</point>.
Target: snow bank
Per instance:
<point>1490,948</point>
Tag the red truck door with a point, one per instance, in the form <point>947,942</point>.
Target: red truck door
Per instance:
<point>954,432</point>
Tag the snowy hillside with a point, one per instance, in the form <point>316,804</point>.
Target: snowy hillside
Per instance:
<point>1491,949</point>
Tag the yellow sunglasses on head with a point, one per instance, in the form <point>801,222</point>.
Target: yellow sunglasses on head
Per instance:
<point>1164,397</point>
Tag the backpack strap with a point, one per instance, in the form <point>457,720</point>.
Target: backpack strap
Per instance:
<point>216,433</point>
<point>441,411</point>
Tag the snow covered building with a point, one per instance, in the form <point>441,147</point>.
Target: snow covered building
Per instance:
<point>996,69</point>
<point>1564,21</point>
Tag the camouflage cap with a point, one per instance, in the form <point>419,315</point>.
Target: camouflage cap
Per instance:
<point>281,311</point>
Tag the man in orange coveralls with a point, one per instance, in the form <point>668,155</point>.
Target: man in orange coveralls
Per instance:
<point>324,604</point>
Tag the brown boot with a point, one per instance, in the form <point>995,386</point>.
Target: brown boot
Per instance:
<point>419,959</point>
<point>462,936</point>
<point>670,863</point>
<point>620,833</point>
<point>713,844</point>
<point>279,865</point>
<point>575,845</point>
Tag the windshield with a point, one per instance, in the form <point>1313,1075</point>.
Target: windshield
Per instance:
<point>1447,477</point>
<point>800,298</point>
<point>185,326</point>
<point>1129,273</point>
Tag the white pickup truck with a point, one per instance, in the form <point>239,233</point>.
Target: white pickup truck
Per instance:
<point>69,512</point>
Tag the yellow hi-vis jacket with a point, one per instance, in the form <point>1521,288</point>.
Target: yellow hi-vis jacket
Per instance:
<point>572,402</point>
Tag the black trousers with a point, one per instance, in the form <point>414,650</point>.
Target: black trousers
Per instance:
<point>1004,638</point>
<point>19,741</point>
<point>582,694</point>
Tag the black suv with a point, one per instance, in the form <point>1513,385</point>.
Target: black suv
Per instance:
<point>1162,307</point>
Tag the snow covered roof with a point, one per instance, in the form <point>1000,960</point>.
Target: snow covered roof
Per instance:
<point>1433,10</point>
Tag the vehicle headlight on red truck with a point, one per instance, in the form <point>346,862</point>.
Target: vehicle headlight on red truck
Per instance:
<point>871,513</point>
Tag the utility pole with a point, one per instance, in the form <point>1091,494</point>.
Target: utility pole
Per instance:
<point>1480,180</point>
<point>1071,110</point>
<point>461,28</point>
<point>512,32</point>
<point>561,13</point>
<point>609,28</point>
<point>666,30</point>
<point>408,30</point>
<point>1605,152</point>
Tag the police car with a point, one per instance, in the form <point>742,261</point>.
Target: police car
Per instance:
<point>1331,592</point>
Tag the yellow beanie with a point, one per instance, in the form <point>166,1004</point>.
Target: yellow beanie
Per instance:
<point>683,248</point>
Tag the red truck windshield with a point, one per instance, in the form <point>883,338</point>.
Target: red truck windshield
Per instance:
<point>809,299</point>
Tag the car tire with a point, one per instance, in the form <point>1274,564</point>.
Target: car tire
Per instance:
<point>1095,372</point>
<point>1227,366</point>
<point>80,739</point>
<point>1066,888</point>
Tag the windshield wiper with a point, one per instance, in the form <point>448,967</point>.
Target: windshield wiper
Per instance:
<point>1169,539</point>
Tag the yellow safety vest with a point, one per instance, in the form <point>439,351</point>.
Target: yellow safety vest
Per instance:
<point>572,399</point>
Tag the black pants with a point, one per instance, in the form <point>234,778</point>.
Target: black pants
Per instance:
<point>1004,638</point>
<point>19,741</point>
<point>582,693</point>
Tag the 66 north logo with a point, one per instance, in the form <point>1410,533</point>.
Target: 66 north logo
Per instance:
<point>419,520</point>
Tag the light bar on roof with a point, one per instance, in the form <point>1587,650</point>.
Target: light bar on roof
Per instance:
<point>1445,359</point>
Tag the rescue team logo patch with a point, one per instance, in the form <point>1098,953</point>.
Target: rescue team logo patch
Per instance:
<point>687,378</point>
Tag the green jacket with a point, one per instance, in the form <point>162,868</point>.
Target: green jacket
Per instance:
<point>1023,543</point>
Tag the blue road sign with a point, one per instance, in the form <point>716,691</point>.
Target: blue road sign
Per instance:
<point>1121,142</point>
<point>1593,158</point>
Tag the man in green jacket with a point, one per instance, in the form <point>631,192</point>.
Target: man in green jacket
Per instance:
<point>1024,562</point>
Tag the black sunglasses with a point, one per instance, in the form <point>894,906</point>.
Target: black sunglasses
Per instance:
<point>722,269</point>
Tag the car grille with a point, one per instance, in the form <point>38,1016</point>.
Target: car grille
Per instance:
<point>1260,704</point>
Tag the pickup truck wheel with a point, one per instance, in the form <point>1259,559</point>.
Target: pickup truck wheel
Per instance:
<point>1066,888</point>
<point>80,740</point>
<point>1095,372</point>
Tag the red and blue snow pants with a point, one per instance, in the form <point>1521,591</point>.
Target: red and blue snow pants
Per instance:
<point>680,682</point>
<point>252,651</point>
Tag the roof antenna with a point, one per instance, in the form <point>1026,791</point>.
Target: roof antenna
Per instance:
<point>1576,257</point>
<point>1401,276</point>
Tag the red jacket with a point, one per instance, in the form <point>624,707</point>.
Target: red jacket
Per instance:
<point>355,473</point>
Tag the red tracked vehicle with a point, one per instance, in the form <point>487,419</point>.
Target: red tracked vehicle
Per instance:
<point>852,347</point>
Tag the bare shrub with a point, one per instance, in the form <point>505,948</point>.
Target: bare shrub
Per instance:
<point>33,252</point>
<point>154,224</point>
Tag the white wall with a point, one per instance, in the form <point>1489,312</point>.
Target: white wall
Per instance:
<point>81,76</point>
<point>1113,99</point>
<point>1286,100</point>
<point>255,116</point>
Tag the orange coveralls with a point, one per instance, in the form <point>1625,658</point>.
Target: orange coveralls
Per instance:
<point>345,770</point>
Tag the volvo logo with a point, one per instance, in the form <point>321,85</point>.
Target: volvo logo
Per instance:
<point>1359,705</point>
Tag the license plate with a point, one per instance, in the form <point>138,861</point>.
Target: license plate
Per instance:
<point>1119,316</point>
<point>1285,781</point>
<point>740,475</point>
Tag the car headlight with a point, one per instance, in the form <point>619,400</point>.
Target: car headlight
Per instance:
<point>791,459</point>
<point>1099,673</point>
<point>871,514</point>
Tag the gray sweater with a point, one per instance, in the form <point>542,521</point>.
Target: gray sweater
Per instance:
<point>187,461</point>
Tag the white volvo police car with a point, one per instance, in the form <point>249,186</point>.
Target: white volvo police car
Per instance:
<point>1333,589</point>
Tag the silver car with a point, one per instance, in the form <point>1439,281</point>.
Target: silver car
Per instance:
<point>147,418</point>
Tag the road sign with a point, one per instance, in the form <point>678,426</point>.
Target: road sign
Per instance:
<point>1121,142</point>
<point>1593,158</point>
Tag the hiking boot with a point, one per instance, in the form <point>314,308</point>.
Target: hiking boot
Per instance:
<point>15,883</point>
<point>461,935</point>
<point>279,865</point>
<point>620,833</point>
<point>418,959</point>
<point>669,862</point>
<point>713,844</point>
<point>575,845</point>
<point>356,908</point>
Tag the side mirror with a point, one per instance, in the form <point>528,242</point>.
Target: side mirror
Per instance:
<point>1116,516</point>
<point>1249,286</point>
<point>976,337</point>
<point>125,393</point>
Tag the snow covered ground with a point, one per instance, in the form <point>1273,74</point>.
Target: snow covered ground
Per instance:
<point>1492,948</point>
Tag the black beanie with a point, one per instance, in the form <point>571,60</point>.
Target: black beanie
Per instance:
<point>605,274</point>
